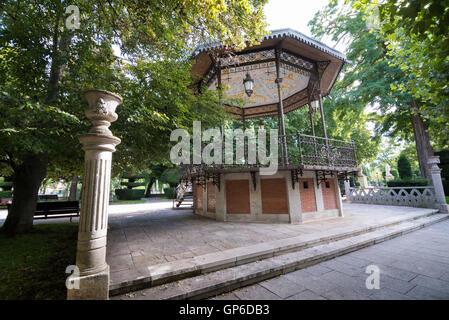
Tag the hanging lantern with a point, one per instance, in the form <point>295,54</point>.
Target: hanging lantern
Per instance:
<point>248,82</point>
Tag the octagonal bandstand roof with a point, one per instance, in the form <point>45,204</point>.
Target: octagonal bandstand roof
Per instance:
<point>306,65</point>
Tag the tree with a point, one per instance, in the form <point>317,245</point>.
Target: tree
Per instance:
<point>155,174</point>
<point>44,67</point>
<point>170,176</point>
<point>415,33</point>
<point>372,78</point>
<point>404,167</point>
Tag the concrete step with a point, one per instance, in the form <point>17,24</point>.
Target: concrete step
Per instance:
<point>228,279</point>
<point>155,275</point>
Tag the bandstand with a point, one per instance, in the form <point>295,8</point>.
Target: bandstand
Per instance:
<point>286,71</point>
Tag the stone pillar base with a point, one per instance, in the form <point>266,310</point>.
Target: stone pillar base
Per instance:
<point>444,208</point>
<point>91,287</point>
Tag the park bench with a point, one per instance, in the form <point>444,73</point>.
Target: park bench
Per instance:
<point>5,201</point>
<point>57,209</point>
<point>45,197</point>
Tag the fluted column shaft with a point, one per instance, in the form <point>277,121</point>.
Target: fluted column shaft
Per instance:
<point>93,224</point>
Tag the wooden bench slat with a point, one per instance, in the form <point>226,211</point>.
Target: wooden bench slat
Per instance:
<point>60,209</point>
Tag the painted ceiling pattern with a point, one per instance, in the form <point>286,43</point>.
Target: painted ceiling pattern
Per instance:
<point>265,89</point>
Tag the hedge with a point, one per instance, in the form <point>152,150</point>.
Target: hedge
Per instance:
<point>169,192</point>
<point>408,183</point>
<point>446,186</point>
<point>6,194</point>
<point>129,194</point>
<point>6,184</point>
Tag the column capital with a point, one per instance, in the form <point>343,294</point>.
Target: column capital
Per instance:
<point>433,162</point>
<point>100,142</point>
<point>101,110</point>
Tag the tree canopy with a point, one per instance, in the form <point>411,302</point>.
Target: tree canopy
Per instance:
<point>140,50</point>
<point>416,37</point>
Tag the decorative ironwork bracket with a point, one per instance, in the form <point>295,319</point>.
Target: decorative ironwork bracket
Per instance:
<point>295,176</point>
<point>201,180</point>
<point>216,180</point>
<point>321,176</point>
<point>253,179</point>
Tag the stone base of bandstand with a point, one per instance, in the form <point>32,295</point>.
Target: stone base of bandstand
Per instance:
<point>91,287</point>
<point>252,197</point>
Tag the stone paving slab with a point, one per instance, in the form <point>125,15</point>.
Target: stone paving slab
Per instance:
<point>146,243</point>
<point>329,283</point>
<point>395,283</point>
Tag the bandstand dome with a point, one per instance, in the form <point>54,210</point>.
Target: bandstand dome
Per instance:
<point>307,68</point>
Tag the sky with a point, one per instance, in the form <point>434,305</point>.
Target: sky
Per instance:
<point>294,14</point>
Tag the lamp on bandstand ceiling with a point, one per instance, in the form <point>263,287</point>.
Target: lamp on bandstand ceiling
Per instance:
<point>248,82</point>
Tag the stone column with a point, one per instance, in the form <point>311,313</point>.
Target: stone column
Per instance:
<point>338,197</point>
<point>294,201</point>
<point>347,189</point>
<point>435,171</point>
<point>98,144</point>
<point>220,200</point>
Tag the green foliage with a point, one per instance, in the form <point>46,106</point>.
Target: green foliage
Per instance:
<point>44,68</point>
<point>395,173</point>
<point>417,41</point>
<point>128,201</point>
<point>132,183</point>
<point>404,167</point>
<point>170,176</point>
<point>169,192</point>
<point>444,163</point>
<point>129,194</point>
<point>5,194</point>
<point>445,185</point>
<point>408,182</point>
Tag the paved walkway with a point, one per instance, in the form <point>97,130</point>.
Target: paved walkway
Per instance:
<point>163,235</point>
<point>413,266</point>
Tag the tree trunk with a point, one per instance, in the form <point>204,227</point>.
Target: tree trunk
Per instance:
<point>422,140</point>
<point>60,53</point>
<point>28,177</point>
<point>150,185</point>
<point>73,188</point>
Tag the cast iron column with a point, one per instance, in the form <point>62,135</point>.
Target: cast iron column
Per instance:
<point>281,109</point>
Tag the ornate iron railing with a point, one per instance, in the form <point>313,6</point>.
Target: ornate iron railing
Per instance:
<point>395,196</point>
<point>317,151</point>
<point>303,151</point>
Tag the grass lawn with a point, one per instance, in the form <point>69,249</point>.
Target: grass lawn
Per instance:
<point>32,266</point>
<point>447,199</point>
<point>128,201</point>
